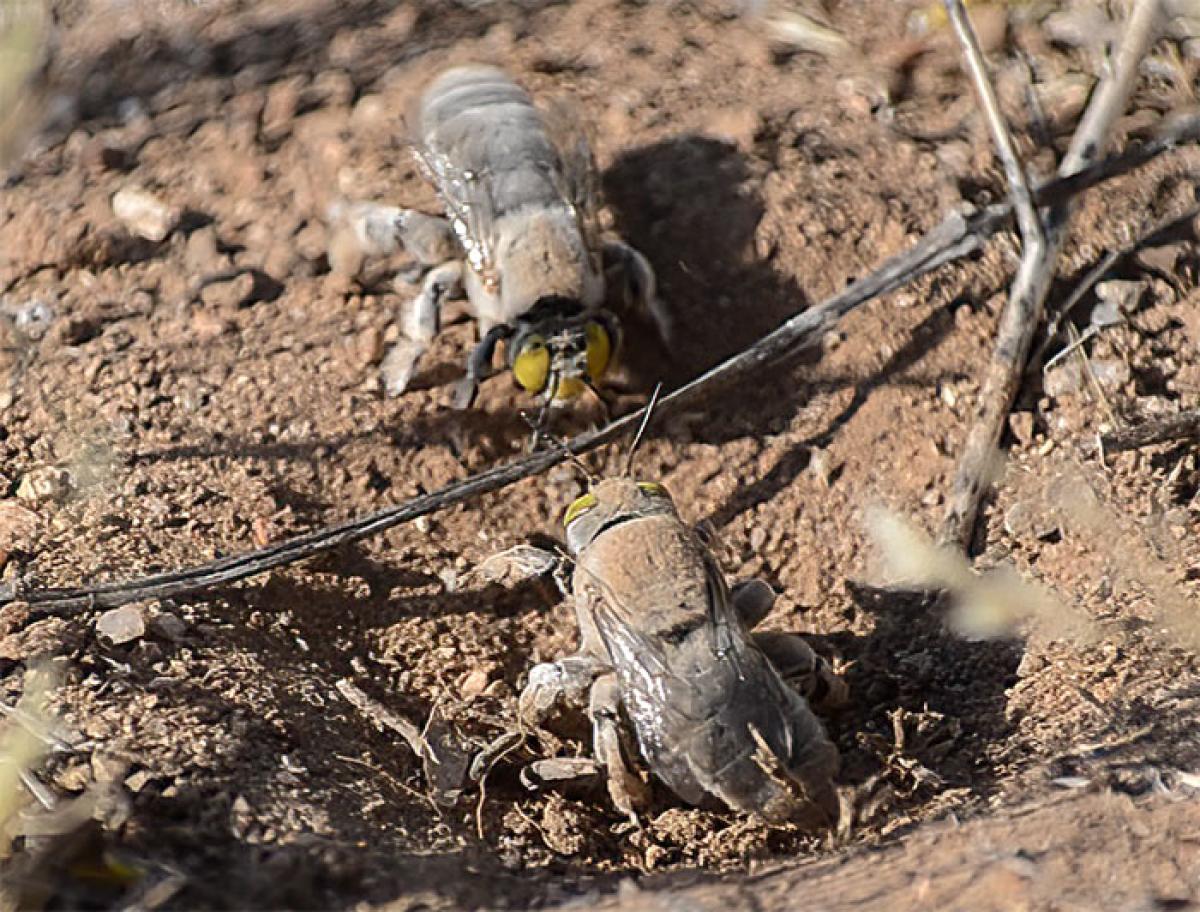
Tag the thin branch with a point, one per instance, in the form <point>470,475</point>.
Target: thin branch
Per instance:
<point>1026,301</point>
<point>958,235</point>
<point>1020,316</point>
<point>1028,222</point>
<point>1185,425</point>
<point>383,717</point>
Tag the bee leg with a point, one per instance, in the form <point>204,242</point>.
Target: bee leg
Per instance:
<point>633,273</point>
<point>752,600</point>
<point>479,365</point>
<point>626,790</point>
<point>805,671</point>
<point>555,685</point>
<point>421,321</point>
<point>429,238</point>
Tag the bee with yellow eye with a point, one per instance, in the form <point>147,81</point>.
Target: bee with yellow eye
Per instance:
<point>671,674</point>
<point>521,238</point>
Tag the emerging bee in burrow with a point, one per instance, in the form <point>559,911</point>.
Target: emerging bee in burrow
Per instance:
<point>520,236</point>
<point>719,714</point>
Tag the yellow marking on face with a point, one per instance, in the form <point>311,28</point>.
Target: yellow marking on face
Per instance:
<point>580,506</point>
<point>653,488</point>
<point>531,367</point>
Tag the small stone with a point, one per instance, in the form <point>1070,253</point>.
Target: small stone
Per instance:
<point>228,294</point>
<point>135,782</point>
<point>368,347</point>
<point>822,467</point>
<point>121,625</point>
<point>168,626</point>
<point>1026,520</point>
<point>283,98</point>
<point>144,214</point>
<point>45,485</point>
<point>1063,380</point>
<point>1021,425</point>
<point>758,538</point>
<point>1110,373</point>
<point>17,526</point>
<point>1161,259</point>
<point>473,683</point>
<point>201,254</point>
<point>1120,294</point>
<point>346,256</point>
<point>106,768</point>
<point>207,325</point>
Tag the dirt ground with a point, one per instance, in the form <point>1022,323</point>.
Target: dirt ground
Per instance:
<point>218,391</point>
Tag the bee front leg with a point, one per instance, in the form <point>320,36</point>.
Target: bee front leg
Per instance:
<point>633,273</point>
<point>429,238</point>
<point>479,365</point>
<point>420,324</point>
<point>805,671</point>
<point>626,790</point>
<point>552,686</point>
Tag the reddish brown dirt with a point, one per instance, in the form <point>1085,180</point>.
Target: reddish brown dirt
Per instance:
<point>197,424</point>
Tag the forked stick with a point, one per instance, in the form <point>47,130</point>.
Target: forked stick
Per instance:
<point>1027,297</point>
<point>957,236</point>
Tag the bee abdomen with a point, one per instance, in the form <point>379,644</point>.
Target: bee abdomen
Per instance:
<point>484,123</point>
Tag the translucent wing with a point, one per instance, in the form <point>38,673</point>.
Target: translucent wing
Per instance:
<point>712,716</point>
<point>578,179</point>
<point>468,202</point>
<point>678,713</point>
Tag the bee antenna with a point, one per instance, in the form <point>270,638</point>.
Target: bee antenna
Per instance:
<point>562,445</point>
<point>637,438</point>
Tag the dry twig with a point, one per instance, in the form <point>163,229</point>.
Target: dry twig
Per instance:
<point>958,235</point>
<point>1021,313</point>
<point>383,717</point>
<point>1027,297</point>
<point>1185,425</point>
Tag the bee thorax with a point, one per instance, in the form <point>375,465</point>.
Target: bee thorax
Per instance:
<point>542,254</point>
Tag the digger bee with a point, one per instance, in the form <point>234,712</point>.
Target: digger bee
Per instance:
<point>721,714</point>
<point>520,236</point>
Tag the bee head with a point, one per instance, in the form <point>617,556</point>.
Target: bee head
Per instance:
<point>609,503</point>
<point>561,358</point>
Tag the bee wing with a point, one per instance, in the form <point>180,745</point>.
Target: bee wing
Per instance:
<point>662,702</point>
<point>579,185</point>
<point>468,203</point>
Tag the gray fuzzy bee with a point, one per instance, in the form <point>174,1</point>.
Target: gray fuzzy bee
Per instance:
<point>719,714</point>
<point>520,237</point>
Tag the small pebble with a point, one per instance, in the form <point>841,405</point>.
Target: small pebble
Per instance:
<point>144,214</point>
<point>121,625</point>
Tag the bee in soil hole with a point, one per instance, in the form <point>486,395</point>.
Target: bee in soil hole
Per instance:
<point>520,237</point>
<point>669,671</point>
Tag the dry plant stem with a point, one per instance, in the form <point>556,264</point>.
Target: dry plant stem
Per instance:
<point>1027,297</point>
<point>1185,425</point>
<point>1021,314</point>
<point>1028,222</point>
<point>958,235</point>
<point>382,716</point>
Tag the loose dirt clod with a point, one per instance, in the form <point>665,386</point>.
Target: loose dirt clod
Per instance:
<point>144,214</point>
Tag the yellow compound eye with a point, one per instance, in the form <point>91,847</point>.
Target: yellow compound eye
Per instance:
<point>653,488</point>
<point>531,366</point>
<point>599,350</point>
<point>569,388</point>
<point>579,507</point>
